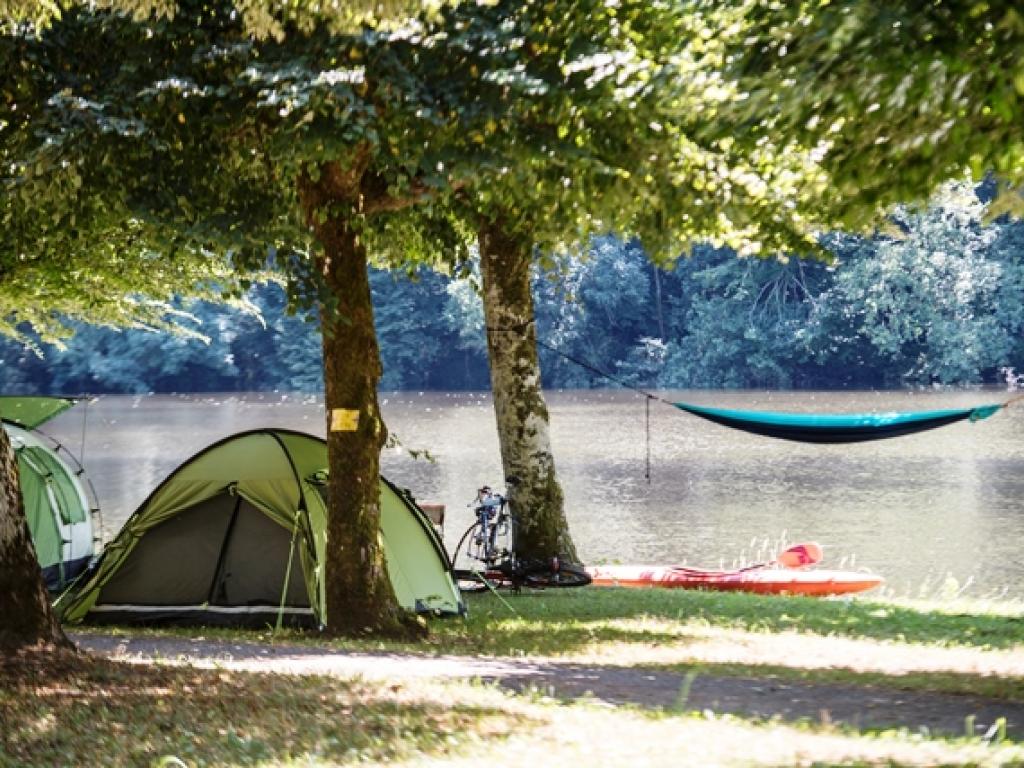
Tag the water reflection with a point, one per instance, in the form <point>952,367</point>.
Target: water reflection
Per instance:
<point>916,509</point>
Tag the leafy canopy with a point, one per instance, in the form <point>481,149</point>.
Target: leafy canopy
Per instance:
<point>262,18</point>
<point>899,96</point>
<point>608,135</point>
<point>191,131</point>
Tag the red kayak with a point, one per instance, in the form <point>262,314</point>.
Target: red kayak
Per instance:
<point>766,580</point>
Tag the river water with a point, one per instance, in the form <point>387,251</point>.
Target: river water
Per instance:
<point>937,513</point>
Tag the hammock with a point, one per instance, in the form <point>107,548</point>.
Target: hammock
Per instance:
<point>837,428</point>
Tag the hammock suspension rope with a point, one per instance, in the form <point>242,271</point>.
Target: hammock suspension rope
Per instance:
<point>799,427</point>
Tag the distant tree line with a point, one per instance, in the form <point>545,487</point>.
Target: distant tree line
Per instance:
<point>938,300</point>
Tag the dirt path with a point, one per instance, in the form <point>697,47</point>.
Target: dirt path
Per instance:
<point>859,707</point>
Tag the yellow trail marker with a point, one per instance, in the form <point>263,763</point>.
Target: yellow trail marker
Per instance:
<point>344,420</point>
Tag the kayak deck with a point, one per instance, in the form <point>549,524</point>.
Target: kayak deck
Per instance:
<point>765,581</point>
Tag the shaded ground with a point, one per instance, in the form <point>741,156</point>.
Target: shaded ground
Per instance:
<point>59,708</point>
<point>857,706</point>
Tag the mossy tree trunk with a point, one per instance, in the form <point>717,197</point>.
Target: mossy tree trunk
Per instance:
<point>522,415</point>
<point>27,618</point>
<point>360,598</point>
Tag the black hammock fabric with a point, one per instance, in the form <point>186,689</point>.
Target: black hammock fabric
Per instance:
<point>836,428</point>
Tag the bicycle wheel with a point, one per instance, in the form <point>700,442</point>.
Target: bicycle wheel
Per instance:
<point>470,579</point>
<point>566,576</point>
<point>473,540</point>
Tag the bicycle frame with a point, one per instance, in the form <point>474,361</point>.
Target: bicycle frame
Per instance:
<point>493,520</point>
<point>501,565</point>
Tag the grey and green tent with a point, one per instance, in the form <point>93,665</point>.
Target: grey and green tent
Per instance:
<point>237,536</point>
<point>58,509</point>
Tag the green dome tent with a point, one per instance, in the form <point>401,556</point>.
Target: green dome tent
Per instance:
<point>60,517</point>
<point>237,535</point>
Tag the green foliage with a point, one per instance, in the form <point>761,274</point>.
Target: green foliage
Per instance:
<point>165,153</point>
<point>898,97</point>
<point>939,301</point>
<point>40,13</point>
<point>68,252</point>
<point>610,137</point>
<point>173,138</point>
<point>740,323</point>
<point>180,137</point>
<point>186,136</point>
<point>263,18</point>
<point>592,307</point>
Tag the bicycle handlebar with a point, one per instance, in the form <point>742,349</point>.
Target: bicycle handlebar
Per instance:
<point>485,497</point>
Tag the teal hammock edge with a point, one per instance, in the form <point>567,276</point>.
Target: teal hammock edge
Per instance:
<point>839,427</point>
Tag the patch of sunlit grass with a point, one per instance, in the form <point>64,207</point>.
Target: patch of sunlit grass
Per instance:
<point>559,622</point>
<point>962,604</point>
<point>589,733</point>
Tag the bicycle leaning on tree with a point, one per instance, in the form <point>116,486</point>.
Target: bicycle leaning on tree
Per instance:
<point>490,546</point>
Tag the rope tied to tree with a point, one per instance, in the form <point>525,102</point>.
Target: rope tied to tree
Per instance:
<point>581,363</point>
<point>648,396</point>
<point>729,418</point>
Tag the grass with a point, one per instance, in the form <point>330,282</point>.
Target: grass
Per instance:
<point>967,648</point>
<point>560,622</point>
<point>988,686</point>
<point>85,711</point>
<point>213,717</point>
<point>563,622</point>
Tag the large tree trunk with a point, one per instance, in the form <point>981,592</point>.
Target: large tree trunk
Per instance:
<point>522,415</point>
<point>360,598</point>
<point>27,619</point>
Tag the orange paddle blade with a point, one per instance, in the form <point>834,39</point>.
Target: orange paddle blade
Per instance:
<point>800,555</point>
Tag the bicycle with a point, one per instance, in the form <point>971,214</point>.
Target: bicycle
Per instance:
<point>491,541</point>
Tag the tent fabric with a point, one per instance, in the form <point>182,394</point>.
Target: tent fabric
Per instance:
<point>836,428</point>
<point>43,524</point>
<point>236,535</point>
<point>44,463</point>
<point>56,507</point>
<point>32,411</point>
<point>403,537</point>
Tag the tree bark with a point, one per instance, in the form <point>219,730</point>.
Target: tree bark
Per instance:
<point>656,271</point>
<point>522,415</point>
<point>359,595</point>
<point>28,620</point>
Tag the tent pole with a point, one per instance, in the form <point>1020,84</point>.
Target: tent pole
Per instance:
<point>287,574</point>
<point>85,415</point>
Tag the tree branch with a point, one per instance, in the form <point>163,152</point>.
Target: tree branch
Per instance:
<point>376,199</point>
